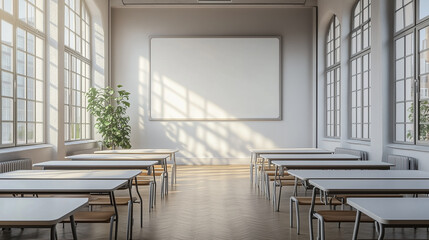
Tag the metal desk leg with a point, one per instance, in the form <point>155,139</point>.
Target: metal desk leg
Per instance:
<point>310,214</point>
<point>256,170</point>
<point>113,202</point>
<point>141,202</point>
<point>166,177</point>
<point>381,235</point>
<point>73,227</point>
<point>131,214</point>
<point>295,188</point>
<point>53,231</point>
<point>275,189</point>
<point>175,168</point>
<point>357,221</point>
<point>251,167</point>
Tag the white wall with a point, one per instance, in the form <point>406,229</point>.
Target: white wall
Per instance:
<point>381,74</point>
<point>216,142</point>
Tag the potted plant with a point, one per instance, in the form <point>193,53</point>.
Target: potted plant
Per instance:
<point>109,109</point>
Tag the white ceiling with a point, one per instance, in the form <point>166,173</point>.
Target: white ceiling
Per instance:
<point>142,3</point>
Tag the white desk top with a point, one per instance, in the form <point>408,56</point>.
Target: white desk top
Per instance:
<point>376,186</point>
<point>126,157</point>
<point>332,164</point>
<point>71,174</point>
<point>394,210</point>
<point>59,186</point>
<point>80,165</point>
<point>309,157</point>
<point>37,211</point>
<point>140,151</point>
<point>289,150</point>
<point>358,174</point>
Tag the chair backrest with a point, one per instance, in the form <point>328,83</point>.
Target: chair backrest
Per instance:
<point>402,162</point>
<point>362,154</point>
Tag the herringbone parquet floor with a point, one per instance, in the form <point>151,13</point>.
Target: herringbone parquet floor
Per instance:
<point>214,202</point>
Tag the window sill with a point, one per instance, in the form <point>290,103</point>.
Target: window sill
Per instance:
<point>24,148</point>
<point>408,147</point>
<point>359,142</point>
<point>335,140</point>
<point>71,143</point>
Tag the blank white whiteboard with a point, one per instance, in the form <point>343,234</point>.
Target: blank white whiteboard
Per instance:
<point>215,78</point>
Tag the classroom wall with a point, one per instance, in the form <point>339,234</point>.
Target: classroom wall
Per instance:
<point>382,69</point>
<point>217,142</point>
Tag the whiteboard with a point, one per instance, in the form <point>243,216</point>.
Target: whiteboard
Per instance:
<point>215,78</point>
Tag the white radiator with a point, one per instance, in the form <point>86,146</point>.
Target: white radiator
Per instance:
<point>402,162</point>
<point>18,164</point>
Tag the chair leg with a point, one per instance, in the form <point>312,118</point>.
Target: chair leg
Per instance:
<point>322,229</point>
<point>280,194</point>
<point>267,185</point>
<point>111,227</point>
<point>291,202</point>
<point>150,196</point>
<point>318,229</point>
<point>162,186</point>
<point>298,220</point>
<point>53,233</point>
<point>130,220</point>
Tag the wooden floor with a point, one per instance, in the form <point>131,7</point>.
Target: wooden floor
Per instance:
<point>214,202</point>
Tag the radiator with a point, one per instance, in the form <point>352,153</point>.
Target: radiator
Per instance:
<point>402,162</point>
<point>362,154</point>
<point>18,164</point>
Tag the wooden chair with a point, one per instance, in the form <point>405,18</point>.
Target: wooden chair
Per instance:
<point>337,216</point>
<point>297,201</point>
<point>95,217</point>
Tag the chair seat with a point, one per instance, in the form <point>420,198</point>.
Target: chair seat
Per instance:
<point>106,200</point>
<point>273,173</point>
<point>143,181</point>
<point>92,217</point>
<point>287,183</point>
<point>342,216</point>
<point>157,173</point>
<point>344,196</point>
<point>307,201</point>
<point>282,178</point>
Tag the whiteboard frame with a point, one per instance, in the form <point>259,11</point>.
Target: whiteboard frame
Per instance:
<point>280,110</point>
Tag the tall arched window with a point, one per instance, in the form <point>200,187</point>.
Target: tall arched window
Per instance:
<point>22,65</point>
<point>77,72</point>
<point>333,78</point>
<point>411,78</point>
<point>360,84</point>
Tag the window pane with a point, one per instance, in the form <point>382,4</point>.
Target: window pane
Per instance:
<point>7,109</point>
<point>7,133</point>
<point>6,84</point>
<point>21,88</point>
<point>8,6</point>
<point>423,8</point>
<point>31,131</point>
<point>6,58</point>
<point>21,110</point>
<point>6,32</point>
<point>399,132</point>
<point>21,133</point>
<point>399,20</point>
<point>409,15</point>
<point>31,117</point>
<point>22,10</point>
<point>20,62</point>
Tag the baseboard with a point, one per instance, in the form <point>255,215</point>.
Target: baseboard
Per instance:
<point>212,161</point>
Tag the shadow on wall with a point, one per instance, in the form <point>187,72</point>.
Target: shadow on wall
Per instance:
<point>195,139</point>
